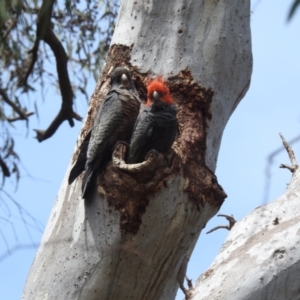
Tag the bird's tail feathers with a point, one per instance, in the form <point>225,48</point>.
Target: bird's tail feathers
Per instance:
<point>76,171</point>
<point>86,181</point>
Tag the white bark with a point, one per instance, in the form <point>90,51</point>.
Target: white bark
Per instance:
<point>97,249</point>
<point>260,259</point>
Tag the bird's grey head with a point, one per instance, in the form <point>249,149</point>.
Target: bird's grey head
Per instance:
<point>121,78</point>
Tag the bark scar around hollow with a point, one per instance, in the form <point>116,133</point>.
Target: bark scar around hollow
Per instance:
<point>141,171</point>
<point>194,115</point>
<point>129,188</point>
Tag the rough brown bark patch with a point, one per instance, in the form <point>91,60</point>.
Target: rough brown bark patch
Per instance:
<point>194,114</point>
<point>193,102</point>
<point>129,194</point>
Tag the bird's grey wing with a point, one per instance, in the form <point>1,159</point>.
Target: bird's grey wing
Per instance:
<point>166,126</point>
<point>141,134</point>
<point>78,168</point>
<point>108,119</point>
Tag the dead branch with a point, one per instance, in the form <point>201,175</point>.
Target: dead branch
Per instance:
<point>189,282</point>
<point>277,151</point>
<point>230,219</point>
<point>270,160</point>
<point>180,278</point>
<point>291,154</point>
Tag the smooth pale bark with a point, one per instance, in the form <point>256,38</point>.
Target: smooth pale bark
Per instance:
<point>260,259</point>
<point>133,238</point>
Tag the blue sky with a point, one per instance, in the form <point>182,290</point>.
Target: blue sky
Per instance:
<point>270,106</point>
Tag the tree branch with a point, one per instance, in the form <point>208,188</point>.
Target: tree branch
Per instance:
<point>45,33</point>
<point>13,119</point>
<point>4,168</point>
<point>291,154</point>
<point>270,161</point>
<point>10,28</point>
<point>181,276</point>
<point>43,23</point>
<point>66,112</point>
<point>231,221</point>
<point>260,252</point>
<point>23,115</point>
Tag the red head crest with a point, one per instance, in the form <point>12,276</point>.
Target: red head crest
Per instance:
<point>159,86</point>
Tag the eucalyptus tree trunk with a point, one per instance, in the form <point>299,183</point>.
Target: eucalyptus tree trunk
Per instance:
<point>134,235</point>
<point>260,259</point>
